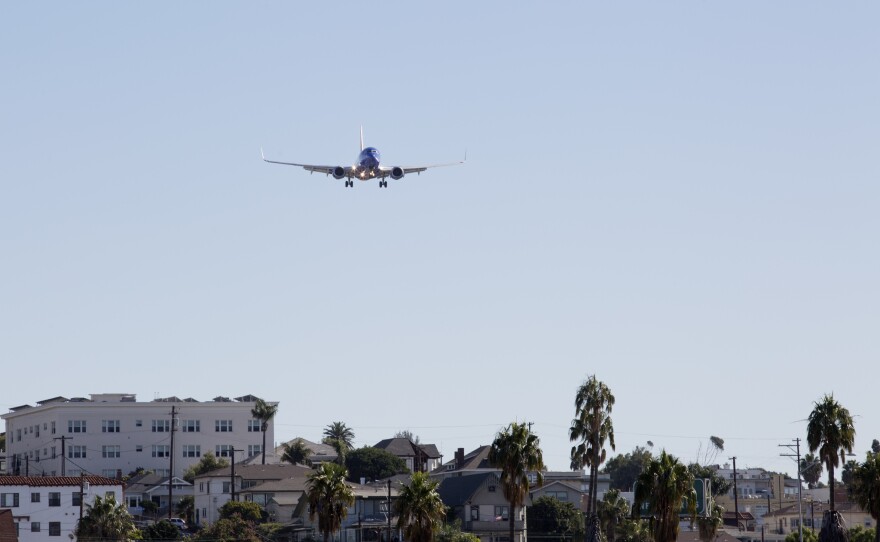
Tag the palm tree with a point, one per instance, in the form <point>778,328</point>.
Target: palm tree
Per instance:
<point>105,519</point>
<point>708,525</point>
<point>811,470</point>
<point>591,426</point>
<point>341,438</point>
<point>329,497</point>
<point>866,488</point>
<point>664,485</point>
<point>420,509</point>
<point>297,453</point>
<point>517,452</point>
<point>612,511</point>
<point>264,412</point>
<point>830,431</point>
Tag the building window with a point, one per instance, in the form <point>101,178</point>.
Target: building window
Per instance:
<point>35,497</point>
<point>225,487</point>
<point>110,452</point>
<point>192,426</point>
<point>134,501</point>
<point>223,426</point>
<point>501,513</point>
<point>161,450</point>
<point>138,448</point>
<point>75,498</point>
<point>161,426</point>
<point>475,513</point>
<point>254,449</point>
<point>18,435</point>
<point>109,473</point>
<point>223,450</point>
<point>8,500</point>
<point>561,496</point>
<point>76,426</point>
<point>253,426</point>
<point>109,426</point>
<point>35,526</point>
<point>76,452</point>
<point>53,452</point>
<point>54,498</point>
<point>54,528</point>
<point>36,430</point>
<point>53,428</point>
<point>139,423</point>
<point>192,450</point>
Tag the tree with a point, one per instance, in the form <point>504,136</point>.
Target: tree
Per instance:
<point>865,488</point>
<point>451,532</point>
<point>708,525</point>
<point>809,536</point>
<point>830,430</point>
<point>247,510</point>
<point>297,453</point>
<point>341,438</point>
<point>590,428</point>
<point>161,530</point>
<point>264,412</point>
<point>857,533</point>
<point>875,446</point>
<point>186,508</point>
<point>207,463</point>
<point>551,520</point>
<point>234,528</point>
<point>625,469</point>
<point>516,451</point>
<point>846,475</point>
<point>420,510</point>
<point>373,464</point>
<point>105,519</point>
<point>720,485</point>
<point>329,497</point>
<point>2,442</point>
<point>150,508</point>
<point>612,510</point>
<point>635,530</point>
<point>716,446</point>
<point>811,470</point>
<point>664,485</point>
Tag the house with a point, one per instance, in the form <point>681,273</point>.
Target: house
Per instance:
<point>114,434</point>
<point>417,457</point>
<point>787,520</point>
<point>45,508</point>
<point>154,488</point>
<point>321,453</point>
<point>8,527</point>
<point>214,489</point>
<point>478,501</point>
<point>463,464</point>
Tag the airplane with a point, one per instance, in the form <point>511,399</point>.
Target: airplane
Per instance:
<point>367,167</point>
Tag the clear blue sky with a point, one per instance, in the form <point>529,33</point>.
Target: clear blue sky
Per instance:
<point>680,197</point>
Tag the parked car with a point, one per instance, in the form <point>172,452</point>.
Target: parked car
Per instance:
<point>179,523</point>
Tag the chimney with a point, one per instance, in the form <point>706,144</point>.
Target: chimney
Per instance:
<point>459,458</point>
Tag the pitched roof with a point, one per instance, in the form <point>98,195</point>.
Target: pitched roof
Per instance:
<point>477,459</point>
<point>403,447</point>
<point>7,527</point>
<point>457,490</point>
<point>261,472</point>
<point>55,481</point>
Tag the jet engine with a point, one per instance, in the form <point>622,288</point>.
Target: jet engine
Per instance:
<point>396,173</point>
<point>338,172</point>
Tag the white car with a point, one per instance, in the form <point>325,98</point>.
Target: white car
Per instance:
<point>179,523</point>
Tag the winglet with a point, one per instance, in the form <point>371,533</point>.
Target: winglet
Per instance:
<point>362,137</point>
<point>263,156</point>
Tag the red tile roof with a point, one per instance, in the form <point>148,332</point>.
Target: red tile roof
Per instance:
<point>53,481</point>
<point>7,527</point>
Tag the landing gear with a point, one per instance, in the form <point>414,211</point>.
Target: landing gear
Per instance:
<point>383,184</point>
<point>349,183</point>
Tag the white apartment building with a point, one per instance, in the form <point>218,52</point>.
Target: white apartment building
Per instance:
<point>113,434</point>
<point>47,508</point>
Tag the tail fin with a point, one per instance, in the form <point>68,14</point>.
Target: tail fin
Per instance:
<point>362,138</point>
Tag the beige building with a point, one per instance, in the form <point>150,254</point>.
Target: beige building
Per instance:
<point>787,519</point>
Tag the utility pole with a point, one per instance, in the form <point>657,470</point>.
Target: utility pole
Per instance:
<point>82,477</point>
<point>796,448</point>
<point>389,510</point>
<point>171,461</point>
<point>735,496</point>
<point>232,476</point>
<point>63,439</point>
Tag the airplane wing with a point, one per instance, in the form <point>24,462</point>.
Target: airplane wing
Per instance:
<point>326,170</point>
<point>419,169</point>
